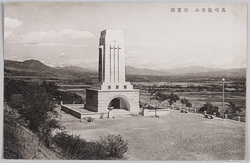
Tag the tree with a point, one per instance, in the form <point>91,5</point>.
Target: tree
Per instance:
<point>151,90</point>
<point>114,145</point>
<point>160,96</point>
<point>239,86</point>
<point>13,87</point>
<point>172,98</point>
<point>36,106</point>
<point>189,104</point>
<point>46,130</point>
<point>186,102</point>
<point>234,108</point>
<point>58,96</point>
<point>76,148</point>
<point>36,112</point>
<point>50,87</point>
<point>210,109</point>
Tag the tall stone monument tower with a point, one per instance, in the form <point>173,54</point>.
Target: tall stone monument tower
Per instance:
<point>112,91</point>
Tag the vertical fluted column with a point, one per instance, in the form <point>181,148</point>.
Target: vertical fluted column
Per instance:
<point>118,63</point>
<point>114,62</point>
<point>101,64</point>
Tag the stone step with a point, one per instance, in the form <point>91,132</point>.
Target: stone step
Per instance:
<point>119,113</point>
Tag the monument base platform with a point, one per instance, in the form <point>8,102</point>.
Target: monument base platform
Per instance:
<point>78,111</point>
<point>102,101</point>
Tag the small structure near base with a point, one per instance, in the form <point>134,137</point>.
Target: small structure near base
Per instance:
<point>157,112</point>
<point>152,110</point>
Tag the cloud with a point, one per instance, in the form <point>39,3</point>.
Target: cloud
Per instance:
<point>135,58</point>
<point>142,63</point>
<point>55,44</point>
<point>134,53</point>
<point>145,62</point>
<point>84,63</point>
<point>12,57</point>
<point>62,55</point>
<point>12,23</point>
<point>153,44</point>
<point>76,34</point>
<point>54,38</point>
<point>8,35</point>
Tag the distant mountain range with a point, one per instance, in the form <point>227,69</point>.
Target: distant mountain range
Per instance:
<point>136,71</point>
<point>28,65</point>
<point>74,68</point>
<point>192,69</point>
<point>35,67</point>
<point>189,71</point>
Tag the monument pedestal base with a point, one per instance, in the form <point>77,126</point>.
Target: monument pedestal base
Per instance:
<point>101,100</point>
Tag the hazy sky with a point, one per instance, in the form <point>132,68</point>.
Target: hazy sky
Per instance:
<point>67,34</point>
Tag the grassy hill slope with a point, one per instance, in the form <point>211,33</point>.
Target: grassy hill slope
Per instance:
<point>20,142</point>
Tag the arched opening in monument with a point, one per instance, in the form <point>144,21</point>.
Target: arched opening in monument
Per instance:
<point>119,103</point>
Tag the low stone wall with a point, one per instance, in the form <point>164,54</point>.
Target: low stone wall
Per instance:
<point>157,112</point>
<point>71,111</point>
<point>80,115</point>
<point>95,115</point>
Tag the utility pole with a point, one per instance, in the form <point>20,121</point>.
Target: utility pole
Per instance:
<point>223,80</point>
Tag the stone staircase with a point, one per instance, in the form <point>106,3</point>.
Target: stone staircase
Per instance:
<point>115,113</point>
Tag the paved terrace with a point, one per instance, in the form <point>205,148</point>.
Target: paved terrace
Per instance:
<point>177,136</point>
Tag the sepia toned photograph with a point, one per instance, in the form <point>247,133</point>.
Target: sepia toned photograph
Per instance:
<point>124,81</point>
